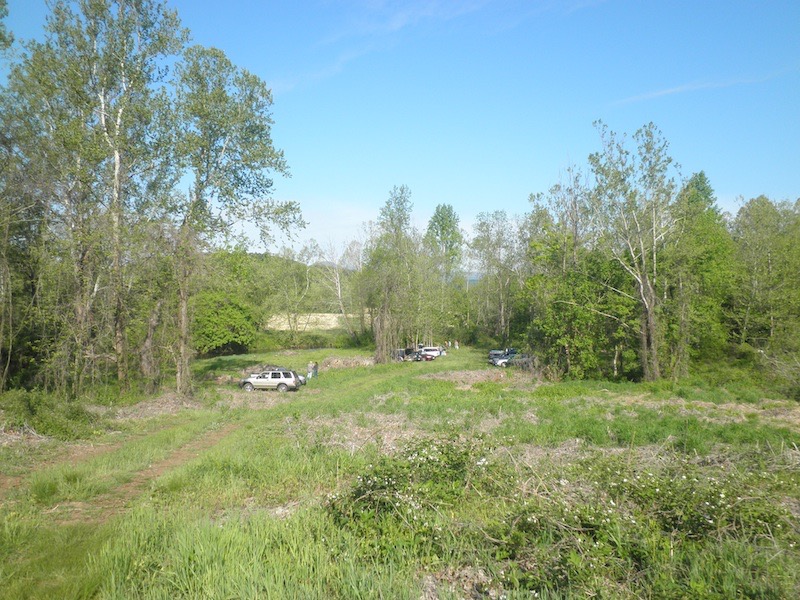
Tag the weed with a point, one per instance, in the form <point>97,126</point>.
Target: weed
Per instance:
<point>47,414</point>
<point>400,501</point>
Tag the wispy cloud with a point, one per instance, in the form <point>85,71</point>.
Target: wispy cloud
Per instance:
<point>330,69</point>
<point>379,18</point>
<point>367,26</point>
<point>699,86</point>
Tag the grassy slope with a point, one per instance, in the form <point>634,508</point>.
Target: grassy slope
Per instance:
<point>442,479</point>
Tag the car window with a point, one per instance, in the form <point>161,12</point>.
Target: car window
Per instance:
<point>287,375</point>
<point>276,375</point>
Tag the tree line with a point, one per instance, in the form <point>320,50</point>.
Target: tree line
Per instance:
<point>128,156</point>
<point>623,269</point>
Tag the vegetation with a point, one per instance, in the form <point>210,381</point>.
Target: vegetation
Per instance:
<point>129,158</point>
<point>406,480</point>
<point>651,450</point>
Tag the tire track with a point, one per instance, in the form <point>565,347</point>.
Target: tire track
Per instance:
<point>103,507</point>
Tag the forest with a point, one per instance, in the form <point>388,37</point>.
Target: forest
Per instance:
<point>134,165</point>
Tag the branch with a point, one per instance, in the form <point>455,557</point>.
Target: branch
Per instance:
<point>599,312</point>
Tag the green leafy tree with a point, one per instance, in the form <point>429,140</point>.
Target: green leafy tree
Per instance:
<point>221,324</point>
<point>633,201</point>
<point>291,278</point>
<point>80,105</point>
<point>6,37</point>
<point>339,271</point>
<point>444,246</point>
<point>698,270</point>
<point>498,250</point>
<point>224,139</point>
<point>764,279</point>
<point>765,305</point>
<point>578,325</point>
<point>392,277</point>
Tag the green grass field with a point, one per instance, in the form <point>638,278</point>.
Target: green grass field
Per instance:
<point>445,479</point>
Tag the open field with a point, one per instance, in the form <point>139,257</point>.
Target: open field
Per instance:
<point>445,479</point>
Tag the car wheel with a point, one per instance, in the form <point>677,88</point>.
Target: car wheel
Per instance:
<point>247,387</point>
<point>283,387</point>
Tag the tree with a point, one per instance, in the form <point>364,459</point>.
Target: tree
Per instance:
<point>443,242</point>
<point>291,278</point>
<point>697,271</point>
<point>80,106</point>
<point>576,300</point>
<point>762,277</point>
<point>632,203</point>
<point>221,324</point>
<point>498,249</point>
<point>6,37</point>
<point>338,269</point>
<point>392,277</point>
<point>122,46</point>
<point>224,139</point>
<point>765,303</point>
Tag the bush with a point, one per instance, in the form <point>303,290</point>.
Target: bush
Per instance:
<point>221,325</point>
<point>46,414</point>
<point>628,531</point>
<point>397,503</point>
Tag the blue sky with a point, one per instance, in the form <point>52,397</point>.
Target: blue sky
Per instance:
<point>479,103</point>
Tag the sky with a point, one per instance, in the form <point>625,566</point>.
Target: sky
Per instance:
<point>480,103</point>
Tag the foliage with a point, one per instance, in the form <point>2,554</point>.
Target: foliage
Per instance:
<point>221,325</point>
<point>397,503</point>
<point>392,277</point>
<point>508,489</point>
<point>627,529</point>
<point>129,162</point>
<point>47,414</point>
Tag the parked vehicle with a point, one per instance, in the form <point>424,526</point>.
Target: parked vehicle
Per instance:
<point>279,379</point>
<point>495,355</point>
<point>514,360</point>
<point>432,350</point>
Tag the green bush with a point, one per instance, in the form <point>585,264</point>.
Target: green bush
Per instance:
<point>396,505</point>
<point>221,325</point>
<point>47,414</point>
<point>609,529</point>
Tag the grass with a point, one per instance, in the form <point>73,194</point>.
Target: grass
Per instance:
<point>440,479</point>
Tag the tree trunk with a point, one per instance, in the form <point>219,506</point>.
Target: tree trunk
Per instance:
<point>184,267</point>
<point>150,367</point>
<point>649,330</point>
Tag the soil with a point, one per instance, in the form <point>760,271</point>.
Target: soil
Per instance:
<point>354,432</point>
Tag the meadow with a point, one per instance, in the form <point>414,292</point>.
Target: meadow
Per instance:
<point>446,479</point>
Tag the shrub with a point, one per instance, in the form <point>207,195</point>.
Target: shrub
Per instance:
<point>396,503</point>
<point>46,414</point>
<point>610,529</point>
<point>221,325</point>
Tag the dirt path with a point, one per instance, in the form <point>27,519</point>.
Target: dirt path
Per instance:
<point>106,506</point>
<point>68,453</point>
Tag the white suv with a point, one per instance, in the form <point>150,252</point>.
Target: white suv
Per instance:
<point>432,351</point>
<point>277,379</point>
